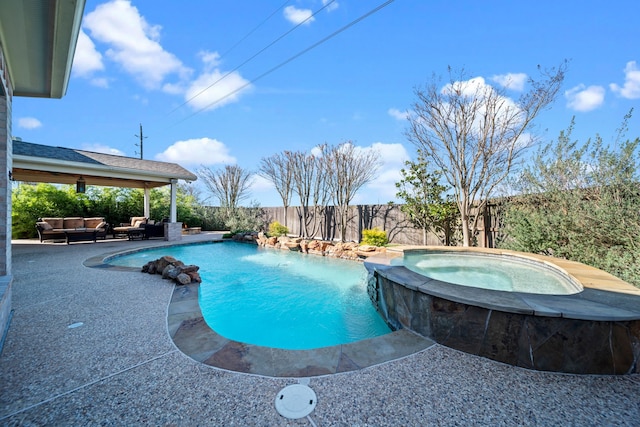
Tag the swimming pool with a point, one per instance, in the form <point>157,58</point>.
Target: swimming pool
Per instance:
<point>275,298</point>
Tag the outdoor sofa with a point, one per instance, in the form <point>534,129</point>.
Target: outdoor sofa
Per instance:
<point>153,229</point>
<point>72,229</point>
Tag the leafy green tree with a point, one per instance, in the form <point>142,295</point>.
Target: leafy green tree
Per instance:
<point>30,202</point>
<point>424,203</point>
<point>580,202</point>
<point>245,218</point>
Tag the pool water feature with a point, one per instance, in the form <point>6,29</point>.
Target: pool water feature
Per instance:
<point>504,273</point>
<point>276,298</point>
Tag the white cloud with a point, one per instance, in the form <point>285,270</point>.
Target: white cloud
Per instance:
<point>261,184</point>
<point>87,59</point>
<point>100,148</point>
<point>29,123</point>
<point>133,43</point>
<point>383,188</point>
<point>513,81</point>
<point>102,82</point>
<point>332,5</point>
<point>631,87</point>
<point>476,88</point>
<point>213,89</point>
<point>298,16</point>
<point>316,151</point>
<point>198,151</point>
<point>582,98</point>
<point>392,154</point>
<point>397,114</point>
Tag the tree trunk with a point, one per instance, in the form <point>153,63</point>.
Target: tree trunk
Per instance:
<point>424,236</point>
<point>285,215</point>
<point>465,230</point>
<point>343,226</point>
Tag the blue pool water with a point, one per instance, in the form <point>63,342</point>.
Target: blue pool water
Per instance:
<point>501,273</point>
<point>276,298</point>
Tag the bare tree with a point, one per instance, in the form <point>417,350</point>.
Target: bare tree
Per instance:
<point>229,185</point>
<point>310,182</point>
<point>474,133</point>
<point>349,168</point>
<point>278,169</point>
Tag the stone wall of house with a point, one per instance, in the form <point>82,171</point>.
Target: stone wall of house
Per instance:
<point>6,165</point>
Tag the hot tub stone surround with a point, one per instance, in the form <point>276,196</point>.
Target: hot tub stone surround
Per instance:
<point>596,331</point>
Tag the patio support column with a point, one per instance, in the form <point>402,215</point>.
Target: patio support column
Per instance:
<point>173,229</point>
<point>173,215</point>
<point>147,202</point>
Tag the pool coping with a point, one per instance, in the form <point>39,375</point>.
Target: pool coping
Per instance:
<point>604,297</point>
<point>193,337</point>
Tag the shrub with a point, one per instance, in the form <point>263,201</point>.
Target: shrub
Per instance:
<point>580,202</point>
<point>276,229</point>
<point>374,237</point>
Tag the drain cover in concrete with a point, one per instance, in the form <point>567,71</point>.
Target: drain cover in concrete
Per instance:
<point>295,401</point>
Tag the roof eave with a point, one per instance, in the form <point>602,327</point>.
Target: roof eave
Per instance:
<point>39,41</point>
<point>63,166</point>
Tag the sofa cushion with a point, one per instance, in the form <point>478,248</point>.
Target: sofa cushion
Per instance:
<point>138,219</point>
<point>44,225</point>
<point>101,225</point>
<point>54,222</point>
<point>73,222</point>
<point>93,222</point>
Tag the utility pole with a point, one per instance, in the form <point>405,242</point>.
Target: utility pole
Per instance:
<point>140,145</point>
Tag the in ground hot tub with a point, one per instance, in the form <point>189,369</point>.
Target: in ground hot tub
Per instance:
<point>590,324</point>
<point>504,272</point>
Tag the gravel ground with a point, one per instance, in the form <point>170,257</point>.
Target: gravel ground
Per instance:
<point>121,368</point>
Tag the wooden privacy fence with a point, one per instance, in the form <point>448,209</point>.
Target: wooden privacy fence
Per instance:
<point>390,218</point>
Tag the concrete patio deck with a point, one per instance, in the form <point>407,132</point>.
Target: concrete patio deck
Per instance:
<point>121,367</point>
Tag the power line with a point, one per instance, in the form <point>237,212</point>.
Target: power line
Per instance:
<point>285,62</point>
<point>253,56</point>
<point>254,29</point>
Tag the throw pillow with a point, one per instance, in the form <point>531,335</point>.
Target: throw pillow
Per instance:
<point>44,225</point>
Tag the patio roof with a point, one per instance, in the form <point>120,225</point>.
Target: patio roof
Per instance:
<point>39,40</point>
<point>44,163</point>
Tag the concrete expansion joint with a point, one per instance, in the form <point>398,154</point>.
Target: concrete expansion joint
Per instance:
<point>89,384</point>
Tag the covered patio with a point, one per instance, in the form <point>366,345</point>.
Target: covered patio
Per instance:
<point>43,163</point>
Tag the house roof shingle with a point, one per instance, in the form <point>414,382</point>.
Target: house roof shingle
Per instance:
<point>99,161</point>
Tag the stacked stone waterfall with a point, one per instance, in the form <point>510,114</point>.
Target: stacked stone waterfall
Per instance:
<point>346,250</point>
<point>173,269</point>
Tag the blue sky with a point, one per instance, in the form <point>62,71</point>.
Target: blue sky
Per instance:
<point>144,61</point>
